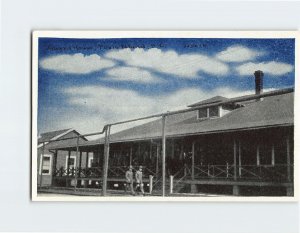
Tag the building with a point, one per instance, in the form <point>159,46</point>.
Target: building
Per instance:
<point>232,146</point>
<point>45,142</point>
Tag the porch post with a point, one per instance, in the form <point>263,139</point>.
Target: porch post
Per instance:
<point>106,158</point>
<point>87,160</point>
<point>68,168</point>
<point>234,159</point>
<point>150,150</point>
<point>257,156</point>
<point>273,155</point>
<point>75,163</point>
<point>163,155</point>
<point>157,156</point>
<point>86,167</point>
<point>193,160</point>
<point>288,159</point>
<point>80,163</point>
<point>130,155</point>
<point>173,149</point>
<point>54,164</point>
<point>235,187</point>
<point>240,160</point>
<point>42,165</point>
<point>193,186</point>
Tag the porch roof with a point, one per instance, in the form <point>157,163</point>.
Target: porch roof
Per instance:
<point>271,111</point>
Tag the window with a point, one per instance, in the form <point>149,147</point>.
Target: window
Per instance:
<point>208,112</point>
<point>202,113</point>
<point>214,111</point>
<point>72,161</point>
<point>46,165</point>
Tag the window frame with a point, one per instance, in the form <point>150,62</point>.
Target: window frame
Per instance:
<point>50,164</point>
<point>71,157</point>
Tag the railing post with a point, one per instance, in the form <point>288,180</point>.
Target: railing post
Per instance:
<point>150,184</point>
<point>42,165</point>
<point>171,184</point>
<point>106,158</point>
<point>163,155</point>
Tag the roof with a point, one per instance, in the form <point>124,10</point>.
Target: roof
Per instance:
<point>215,99</point>
<point>50,135</point>
<point>272,111</point>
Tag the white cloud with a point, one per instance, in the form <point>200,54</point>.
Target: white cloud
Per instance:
<point>169,62</point>
<point>76,63</point>
<point>272,68</point>
<point>132,74</point>
<point>238,53</point>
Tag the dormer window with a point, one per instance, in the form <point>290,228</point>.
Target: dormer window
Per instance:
<point>210,112</point>
<point>218,110</point>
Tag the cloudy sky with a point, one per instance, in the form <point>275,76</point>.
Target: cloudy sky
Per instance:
<point>86,83</point>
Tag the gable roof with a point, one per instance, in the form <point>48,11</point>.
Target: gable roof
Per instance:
<point>53,134</point>
<point>214,99</point>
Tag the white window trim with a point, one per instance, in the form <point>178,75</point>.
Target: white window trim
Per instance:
<point>72,157</point>
<point>50,168</point>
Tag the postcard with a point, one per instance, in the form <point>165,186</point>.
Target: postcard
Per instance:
<point>164,115</point>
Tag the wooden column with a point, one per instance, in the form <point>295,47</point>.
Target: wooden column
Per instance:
<point>75,163</point>
<point>193,160</point>
<point>106,158</point>
<point>240,160</point>
<point>87,160</point>
<point>42,164</point>
<point>193,186</point>
<point>273,155</point>
<point>234,159</point>
<point>288,159</point>
<point>150,150</point>
<point>130,155</point>
<point>68,163</point>
<point>86,167</point>
<point>163,155</point>
<point>80,163</point>
<point>257,156</point>
<point>54,164</point>
<point>173,149</point>
<point>157,159</point>
<point>68,168</point>
<point>235,188</point>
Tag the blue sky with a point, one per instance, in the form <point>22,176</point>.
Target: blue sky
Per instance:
<point>86,83</point>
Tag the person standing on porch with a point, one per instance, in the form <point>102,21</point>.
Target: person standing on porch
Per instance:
<point>129,180</point>
<point>139,180</point>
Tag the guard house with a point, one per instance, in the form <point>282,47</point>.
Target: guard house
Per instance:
<point>228,146</point>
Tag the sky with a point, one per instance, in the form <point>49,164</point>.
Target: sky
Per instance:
<point>87,83</point>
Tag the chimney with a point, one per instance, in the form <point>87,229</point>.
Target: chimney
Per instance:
<point>258,81</point>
